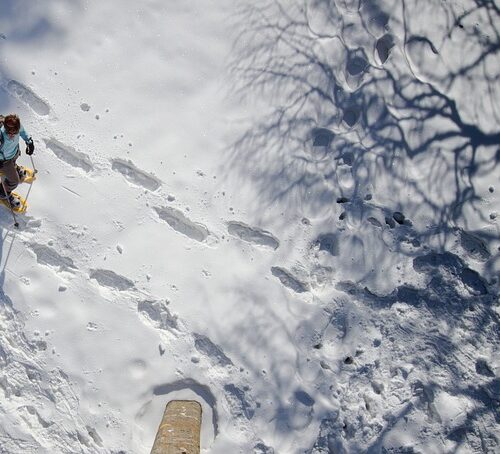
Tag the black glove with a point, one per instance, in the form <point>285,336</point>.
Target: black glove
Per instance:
<point>30,147</point>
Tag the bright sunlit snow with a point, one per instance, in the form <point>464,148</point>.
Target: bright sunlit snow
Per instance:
<point>287,211</point>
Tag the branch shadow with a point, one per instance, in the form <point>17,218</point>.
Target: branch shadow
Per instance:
<point>348,95</point>
<point>330,98</point>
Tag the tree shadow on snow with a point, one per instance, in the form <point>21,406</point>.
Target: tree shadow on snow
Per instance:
<point>353,111</point>
<point>342,107</point>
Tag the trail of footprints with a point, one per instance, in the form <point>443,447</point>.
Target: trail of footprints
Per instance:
<point>357,64</point>
<point>178,221</point>
<point>174,217</point>
<point>156,313</point>
<point>211,363</point>
<point>153,312</point>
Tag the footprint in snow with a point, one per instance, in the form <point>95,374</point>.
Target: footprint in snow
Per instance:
<point>434,262</point>
<point>345,179</point>
<point>89,438</point>
<point>399,217</point>
<point>45,255</point>
<point>351,114</point>
<point>483,368</point>
<point>69,155</point>
<point>288,280</point>
<point>356,66</point>
<point>180,223</point>
<point>262,448</point>
<point>474,246</point>
<point>297,414</point>
<point>108,278</point>
<point>322,137</point>
<point>390,222</point>
<point>212,351</point>
<point>375,222</point>
<point>384,46</point>
<point>304,398</point>
<point>32,417</point>
<point>27,96</point>
<point>238,401</point>
<point>91,326</point>
<point>252,235</point>
<point>135,175</point>
<point>158,314</point>
<point>94,435</point>
<point>374,18</point>
<point>327,242</point>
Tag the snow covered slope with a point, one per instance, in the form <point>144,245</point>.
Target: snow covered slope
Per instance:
<point>284,210</point>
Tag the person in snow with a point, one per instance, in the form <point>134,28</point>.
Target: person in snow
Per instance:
<point>10,132</point>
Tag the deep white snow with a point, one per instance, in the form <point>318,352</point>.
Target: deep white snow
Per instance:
<point>287,211</point>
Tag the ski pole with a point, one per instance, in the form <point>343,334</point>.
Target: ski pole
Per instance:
<point>35,170</point>
<point>16,224</point>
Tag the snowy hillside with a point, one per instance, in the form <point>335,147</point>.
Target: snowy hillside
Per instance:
<point>287,211</point>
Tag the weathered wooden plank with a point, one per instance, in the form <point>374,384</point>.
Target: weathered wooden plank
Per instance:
<point>179,431</point>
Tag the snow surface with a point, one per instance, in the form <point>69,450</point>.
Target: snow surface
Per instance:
<point>286,211</point>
